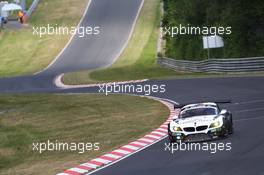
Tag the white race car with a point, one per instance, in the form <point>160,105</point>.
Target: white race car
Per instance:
<point>200,122</point>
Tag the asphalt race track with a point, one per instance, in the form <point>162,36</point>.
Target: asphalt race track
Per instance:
<point>115,19</point>
<point>247,154</point>
<point>247,94</point>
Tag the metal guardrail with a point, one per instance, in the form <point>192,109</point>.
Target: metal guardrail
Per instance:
<point>231,65</point>
<point>32,8</point>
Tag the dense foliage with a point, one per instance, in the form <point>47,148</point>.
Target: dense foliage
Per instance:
<point>245,17</point>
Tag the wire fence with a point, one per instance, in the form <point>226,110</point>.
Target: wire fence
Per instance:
<point>232,65</point>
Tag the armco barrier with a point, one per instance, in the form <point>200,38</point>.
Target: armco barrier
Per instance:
<point>231,65</point>
<point>32,8</point>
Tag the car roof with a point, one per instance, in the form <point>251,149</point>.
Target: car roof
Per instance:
<point>199,105</point>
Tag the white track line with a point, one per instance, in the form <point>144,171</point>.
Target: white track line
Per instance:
<point>68,43</point>
<point>112,156</point>
<point>78,170</point>
<point>57,81</point>
<point>90,165</point>
<point>122,151</point>
<point>104,161</point>
<point>131,147</point>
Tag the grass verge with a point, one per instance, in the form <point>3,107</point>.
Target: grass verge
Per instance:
<point>24,53</point>
<point>69,118</point>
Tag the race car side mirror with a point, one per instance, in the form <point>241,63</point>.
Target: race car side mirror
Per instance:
<point>223,112</point>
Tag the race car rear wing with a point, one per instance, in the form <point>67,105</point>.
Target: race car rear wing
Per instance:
<point>177,106</point>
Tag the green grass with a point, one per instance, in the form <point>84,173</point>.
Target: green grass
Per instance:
<point>25,119</point>
<point>25,53</point>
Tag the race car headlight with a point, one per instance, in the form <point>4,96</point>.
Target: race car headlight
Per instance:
<point>215,124</point>
<point>176,128</point>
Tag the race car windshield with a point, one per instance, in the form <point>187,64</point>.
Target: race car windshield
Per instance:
<point>198,112</point>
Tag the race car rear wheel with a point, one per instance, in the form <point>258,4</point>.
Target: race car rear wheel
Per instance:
<point>230,124</point>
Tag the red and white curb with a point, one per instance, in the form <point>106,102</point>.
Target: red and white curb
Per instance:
<point>126,150</point>
<point>58,82</point>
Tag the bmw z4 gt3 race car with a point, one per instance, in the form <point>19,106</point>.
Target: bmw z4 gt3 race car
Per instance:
<point>200,122</point>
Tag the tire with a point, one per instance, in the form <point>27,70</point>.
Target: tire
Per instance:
<point>231,129</point>
<point>226,131</point>
<point>230,124</point>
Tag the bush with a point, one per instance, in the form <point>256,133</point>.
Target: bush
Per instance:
<point>245,17</point>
